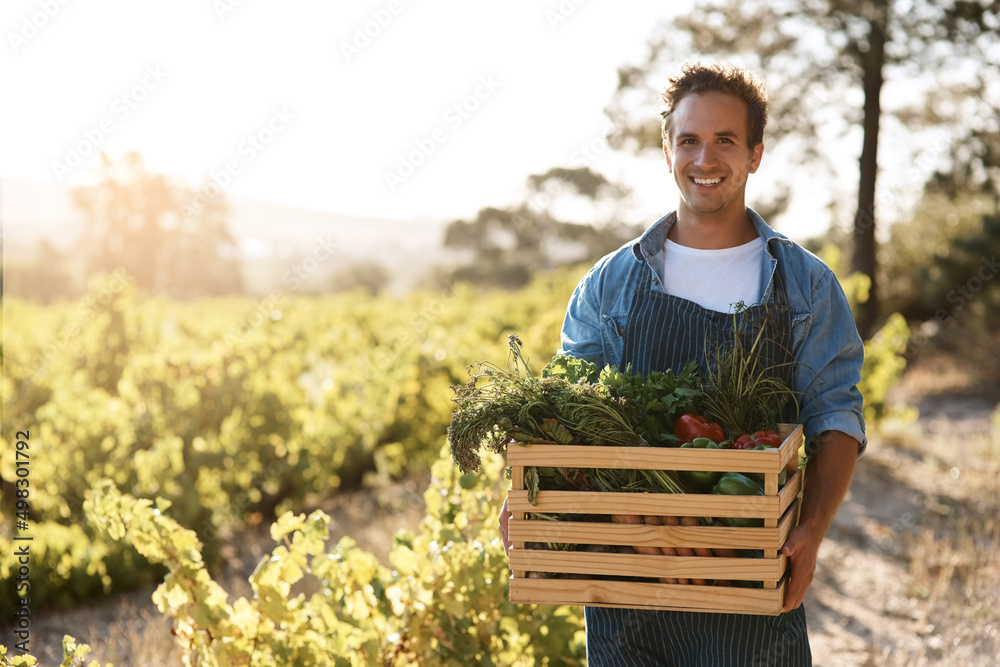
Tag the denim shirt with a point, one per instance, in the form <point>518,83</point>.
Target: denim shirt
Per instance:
<point>825,340</point>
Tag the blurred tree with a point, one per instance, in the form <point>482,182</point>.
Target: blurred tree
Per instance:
<point>949,241</point>
<point>975,160</point>
<point>140,221</point>
<point>45,278</point>
<point>508,245</point>
<point>367,275</point>
<point>202,258</point>
<point>825,63</point>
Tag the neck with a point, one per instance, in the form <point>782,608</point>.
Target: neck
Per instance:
<point>711,232</point>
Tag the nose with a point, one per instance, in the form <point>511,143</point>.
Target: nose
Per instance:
<point>706,155</point>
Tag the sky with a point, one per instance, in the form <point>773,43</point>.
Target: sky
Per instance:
<point>402,109</point>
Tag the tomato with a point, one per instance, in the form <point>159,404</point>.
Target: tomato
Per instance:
<point>753,440</point>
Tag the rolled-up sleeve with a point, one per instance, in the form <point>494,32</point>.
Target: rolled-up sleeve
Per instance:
<point>829,365</point>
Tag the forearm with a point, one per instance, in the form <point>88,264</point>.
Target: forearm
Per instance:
<point>828,476</point>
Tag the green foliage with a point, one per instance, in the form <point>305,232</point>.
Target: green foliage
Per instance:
<point>16,661</point>
<point>500,405</point>
<point>571,403</point>
<point>74,655</point>
<point>938,251</point>
<point>443,601</point>
<point>456,578</point>
<point>662,396</point>
<point>232,409</point>
<point>369,276</point>
<point>855,285</point>
<point>510,245</point>
<point>885,352</point>
<point>885,362</point>
<point>942,275</point>
<point>741,393</point>
<point>571,369</point>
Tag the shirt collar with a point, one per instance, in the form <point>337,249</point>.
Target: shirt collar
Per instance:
<point>651,241</point>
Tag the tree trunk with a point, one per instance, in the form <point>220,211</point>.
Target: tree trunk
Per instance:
<point>864,259</point>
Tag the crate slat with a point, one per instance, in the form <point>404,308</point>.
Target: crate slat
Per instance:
<point>659,504</point>
<point>657,458</point>
<point>643,565</point>
<point>649,458</point>
<point>638,595</point>
<point>587,532</point>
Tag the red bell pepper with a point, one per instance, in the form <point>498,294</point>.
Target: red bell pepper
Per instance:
<point>690,426</point>
<point>751,440</point>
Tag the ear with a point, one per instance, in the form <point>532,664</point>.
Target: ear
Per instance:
<point>670,164</point>
<point>756,153</point>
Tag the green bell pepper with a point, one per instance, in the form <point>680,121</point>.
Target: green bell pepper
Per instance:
<point>701,443</point>
<point>702,480</point>
<point>738,484</point>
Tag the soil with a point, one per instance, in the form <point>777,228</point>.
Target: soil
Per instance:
<point>909,573</point>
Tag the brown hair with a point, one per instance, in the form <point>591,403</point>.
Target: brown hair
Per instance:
<point>718,78</point>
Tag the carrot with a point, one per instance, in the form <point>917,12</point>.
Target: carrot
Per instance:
<point>635,519</point>
<point>649,551</point>
<point>724,553</point>
<point>676,551</point>
<point>698,551</point>
<point>666,551</point>
<point>677,521</point>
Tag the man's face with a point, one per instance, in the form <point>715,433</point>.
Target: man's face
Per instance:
<point>709,156</point>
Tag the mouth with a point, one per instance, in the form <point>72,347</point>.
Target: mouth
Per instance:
<point>707,181</point>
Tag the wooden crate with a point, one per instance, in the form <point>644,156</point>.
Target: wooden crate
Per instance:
<point>778,509</point>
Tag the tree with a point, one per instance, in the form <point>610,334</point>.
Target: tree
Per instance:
<point>367,275</point>
<point>508,245</point>
<point>201,258</point>
<point>44,278</point>
<point>827,64</point>
<point>169,239</point>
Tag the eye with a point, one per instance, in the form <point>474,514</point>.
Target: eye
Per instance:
<point>725,140</point>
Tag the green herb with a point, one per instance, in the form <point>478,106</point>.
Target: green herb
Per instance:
<point>740,392</point>
<point>498,406</point>
<point>662,398</point>
<point>572,369</point>
<point>572,402</point>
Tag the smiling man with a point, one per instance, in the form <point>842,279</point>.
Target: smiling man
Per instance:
<point>658,302</point>
<point>710,151</point>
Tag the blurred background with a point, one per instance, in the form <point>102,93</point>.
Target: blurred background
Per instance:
<point>249,247</point>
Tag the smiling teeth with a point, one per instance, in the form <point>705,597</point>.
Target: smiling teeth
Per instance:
<point>707,181</point>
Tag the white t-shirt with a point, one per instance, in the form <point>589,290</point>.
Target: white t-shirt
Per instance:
<point>714,279</point>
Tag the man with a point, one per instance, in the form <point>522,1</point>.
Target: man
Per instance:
<point>654,302</point>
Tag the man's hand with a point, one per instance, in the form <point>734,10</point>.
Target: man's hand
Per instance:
<point>504,523</point>
<point>828,476</point>
<point>802,548</point>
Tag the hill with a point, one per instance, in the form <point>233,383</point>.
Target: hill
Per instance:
<point>272,238</point>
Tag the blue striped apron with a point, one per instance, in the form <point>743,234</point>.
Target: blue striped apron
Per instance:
<point>665,331</point>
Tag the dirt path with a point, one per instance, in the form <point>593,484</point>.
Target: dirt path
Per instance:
<point>910,571</point>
